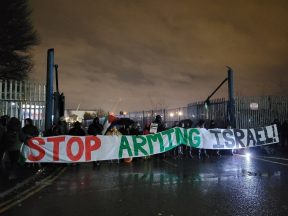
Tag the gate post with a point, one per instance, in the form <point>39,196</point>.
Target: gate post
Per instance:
<point>49,89</point>
<point>231,102</point>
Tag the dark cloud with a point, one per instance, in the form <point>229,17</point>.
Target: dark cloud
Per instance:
<point>134,54</point>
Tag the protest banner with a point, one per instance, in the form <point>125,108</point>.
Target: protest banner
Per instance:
<point>65,149</point>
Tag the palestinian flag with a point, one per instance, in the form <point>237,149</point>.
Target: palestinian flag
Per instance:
<point>107,122</point>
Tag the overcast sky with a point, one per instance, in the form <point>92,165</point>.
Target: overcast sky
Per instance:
<point>134,54</point>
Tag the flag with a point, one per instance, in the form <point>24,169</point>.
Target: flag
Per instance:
<point>107,122</point>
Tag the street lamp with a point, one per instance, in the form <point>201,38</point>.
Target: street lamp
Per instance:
<point>179,113</point>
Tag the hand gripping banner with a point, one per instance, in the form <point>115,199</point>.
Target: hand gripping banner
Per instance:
<point>65,149</point>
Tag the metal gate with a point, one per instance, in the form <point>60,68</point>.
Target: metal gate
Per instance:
<point>23,99</point>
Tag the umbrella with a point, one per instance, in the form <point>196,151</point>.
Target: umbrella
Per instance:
<point>123,121</point>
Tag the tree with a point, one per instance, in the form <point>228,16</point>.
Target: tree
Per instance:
<point>17,36</point>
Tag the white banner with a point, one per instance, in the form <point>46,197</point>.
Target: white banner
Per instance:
<point>65,149</point>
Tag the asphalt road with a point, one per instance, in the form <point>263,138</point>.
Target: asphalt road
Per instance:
<point>231,185</point>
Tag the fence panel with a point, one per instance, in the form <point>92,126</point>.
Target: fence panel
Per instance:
<point>250,112</point>
<point>259,111</point>
<point>23,99</point>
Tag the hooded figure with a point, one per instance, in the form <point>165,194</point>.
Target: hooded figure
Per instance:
<point>3,123</point>
<point>12,140</point>
<point>77,130</point>
<point>29,130</point>
<point>95,128</point>
<point>161,126</point>
<point>60,128</point>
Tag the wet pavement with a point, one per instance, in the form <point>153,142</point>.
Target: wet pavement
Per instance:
<point>230,185</point>
<point>20,174</point>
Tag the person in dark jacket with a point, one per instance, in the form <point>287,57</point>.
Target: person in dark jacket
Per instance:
<point>135,129</point>
<point>95,128</point>
<point>29,130</point>
<point>3,124</point>
<point>213,126</point>
<point>77,130</point>
<point>284,134</point>
<point>201,124</point>
<point>12,139</point>
<point>161,126</point>
<point>60,128</point>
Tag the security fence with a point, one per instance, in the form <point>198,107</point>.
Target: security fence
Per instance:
<point>23,99</point>
<point>249,112</point>
<point>260,111</point>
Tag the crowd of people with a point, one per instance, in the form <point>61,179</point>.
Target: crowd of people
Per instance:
<point>12,136</point>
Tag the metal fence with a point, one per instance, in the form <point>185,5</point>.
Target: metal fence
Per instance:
<point>261,110</point>
<point>249,112</point>
<point>23,99</point>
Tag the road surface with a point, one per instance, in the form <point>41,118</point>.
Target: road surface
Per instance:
<point>230,185</point>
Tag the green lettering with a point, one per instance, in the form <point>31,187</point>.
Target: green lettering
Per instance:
<point>181,137</point>
<point>194,140</point>
<point>139,142</point>
<point>155,138</point>
<point>124,145</point>
<point>169,134</point>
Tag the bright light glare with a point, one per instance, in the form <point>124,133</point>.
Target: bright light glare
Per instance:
<point>248,155</point>
<point>171,114</point>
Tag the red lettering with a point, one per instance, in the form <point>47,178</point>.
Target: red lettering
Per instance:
<point>56,141</point>
<point>36,147</point>
<point>80,143</point>
<point>89,140</point>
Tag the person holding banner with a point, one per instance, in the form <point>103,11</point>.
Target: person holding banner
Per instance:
<point>76,130</point>
<point>95,128</point>
<point>201,124</point>
<point>157,126</point>
<point>29,130</point>
<point>213,126</point>
<point>60,128</point>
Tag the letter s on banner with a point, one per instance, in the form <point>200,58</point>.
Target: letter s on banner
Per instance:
<point>41,151</point>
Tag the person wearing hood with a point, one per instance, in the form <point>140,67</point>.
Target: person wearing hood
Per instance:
<point>160,128</point>
<point>12,140</point>
<point>29,130</point>
<point>60,128</point>
<point>3,127</point>
<point>95,128</point>
<point>159,122</point>
<point>77,130</point>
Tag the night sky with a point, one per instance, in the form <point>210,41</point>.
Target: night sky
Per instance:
<point>138,54</point>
